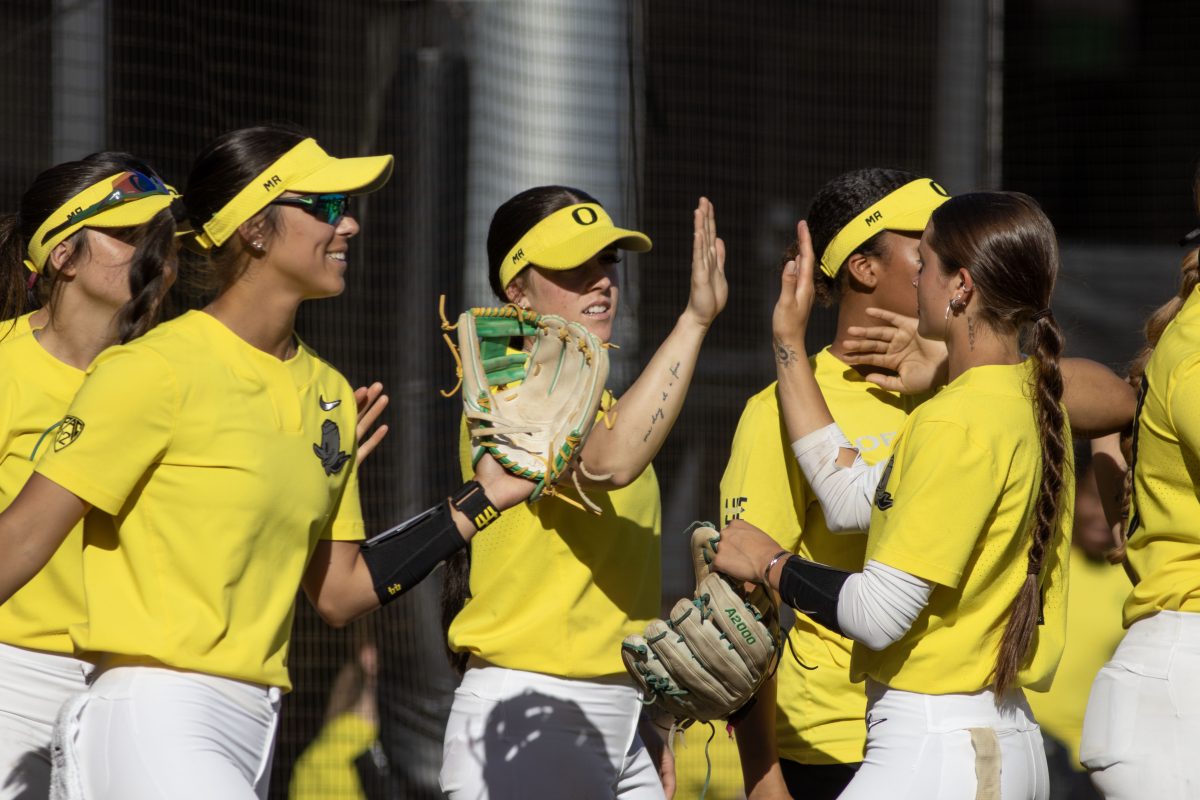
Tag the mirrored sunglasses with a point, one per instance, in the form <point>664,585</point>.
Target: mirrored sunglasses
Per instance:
<point>329,208</point>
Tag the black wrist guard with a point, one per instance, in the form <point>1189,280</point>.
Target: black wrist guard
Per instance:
<point>813,590</point>
<point>400,557</point>
<point>473,502</point>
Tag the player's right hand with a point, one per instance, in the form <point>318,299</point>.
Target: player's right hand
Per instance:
<point>913,364</point>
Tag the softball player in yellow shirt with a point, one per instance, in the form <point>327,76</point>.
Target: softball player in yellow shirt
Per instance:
<point>1143,714</point>
<point>217,454</point>
<point>961,600</point>
<point>545,708</point>
<point>89,265</point>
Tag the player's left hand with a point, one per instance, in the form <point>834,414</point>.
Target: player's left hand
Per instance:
<point>918,364</point>
<point>743,551</point>
<point>709,289</point>
<point>371,402</point>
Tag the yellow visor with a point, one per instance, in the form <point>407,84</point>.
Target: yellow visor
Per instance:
<point>905,209</point>
<point>123,200</point>
<point>306,168</point>
<point>567,239</point>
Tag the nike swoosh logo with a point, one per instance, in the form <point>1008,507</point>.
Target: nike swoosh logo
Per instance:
<point>876,722</point>
<point>328,405</point>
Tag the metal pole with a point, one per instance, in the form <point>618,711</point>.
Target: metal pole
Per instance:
<point>79,78</point>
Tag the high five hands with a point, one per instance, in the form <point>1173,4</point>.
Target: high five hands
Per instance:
<point>709,290</point>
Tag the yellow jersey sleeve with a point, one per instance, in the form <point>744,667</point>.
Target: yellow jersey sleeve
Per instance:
<point>930,531</point>
<point>347,524</point>
<point>119,424</point>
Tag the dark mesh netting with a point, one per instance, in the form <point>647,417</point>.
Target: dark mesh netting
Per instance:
<point>1089,107</point>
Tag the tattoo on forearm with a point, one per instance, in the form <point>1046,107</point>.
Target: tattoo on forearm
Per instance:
<point>657,416</point>
<point>785,355</point>
<point>675,370</point>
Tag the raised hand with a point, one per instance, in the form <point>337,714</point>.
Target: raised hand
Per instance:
<point>371,402</point>
<point>915,364</point>
<point>709,289</point>
<point>794,307</point>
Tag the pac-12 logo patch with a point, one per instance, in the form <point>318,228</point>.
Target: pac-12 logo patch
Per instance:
<point>68,431</point>
<point>329,451</point>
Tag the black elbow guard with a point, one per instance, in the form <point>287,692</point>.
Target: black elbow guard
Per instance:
<point>813,590</point>
<point>401,557</point>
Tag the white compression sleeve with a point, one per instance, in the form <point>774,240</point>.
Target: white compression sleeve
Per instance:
<point>845,493</point>
<point>878,605</point>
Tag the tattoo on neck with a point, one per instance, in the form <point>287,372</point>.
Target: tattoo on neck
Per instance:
<point>784,354</point>
<point>970,333</point>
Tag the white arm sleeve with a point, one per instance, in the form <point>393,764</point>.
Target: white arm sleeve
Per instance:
<point>845,493</point>
<point>878,605</point>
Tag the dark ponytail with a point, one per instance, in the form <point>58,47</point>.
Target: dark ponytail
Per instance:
<point>1008,246</point>
<point>150,271</point>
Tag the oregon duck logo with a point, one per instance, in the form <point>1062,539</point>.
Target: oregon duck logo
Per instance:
<point>329,451</point>
<point>68,431</point>
<point>883,498</point>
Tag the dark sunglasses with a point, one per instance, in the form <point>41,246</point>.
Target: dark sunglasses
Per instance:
<point>329,208</point>
<point>128,186</point>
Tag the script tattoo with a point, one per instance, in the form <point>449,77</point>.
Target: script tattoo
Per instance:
<point>657,416</point>
<point>784,354</point>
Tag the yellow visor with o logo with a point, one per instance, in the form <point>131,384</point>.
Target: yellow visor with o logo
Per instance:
<point>905,209</point>
<point>306,169</point>
<point>123,200</point>
<point>567,239</point>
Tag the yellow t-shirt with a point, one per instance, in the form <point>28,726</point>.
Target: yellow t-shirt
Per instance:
<point>35,390</point>
<point>1165,548</point>
<point>221,466</point>
<point>956,510</point>
<point>17,326</point>
<point>1093,631</point>
<point>819,713</point>
<point>555,589</point>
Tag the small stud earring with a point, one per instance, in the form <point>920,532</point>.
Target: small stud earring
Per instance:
<point>257,245</point>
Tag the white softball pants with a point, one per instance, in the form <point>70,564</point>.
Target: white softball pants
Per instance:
<point>145,733</point>
<point>949,747</point>
<point>514,735</point>
<point>1141,734</point>
<point>33,686</point>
